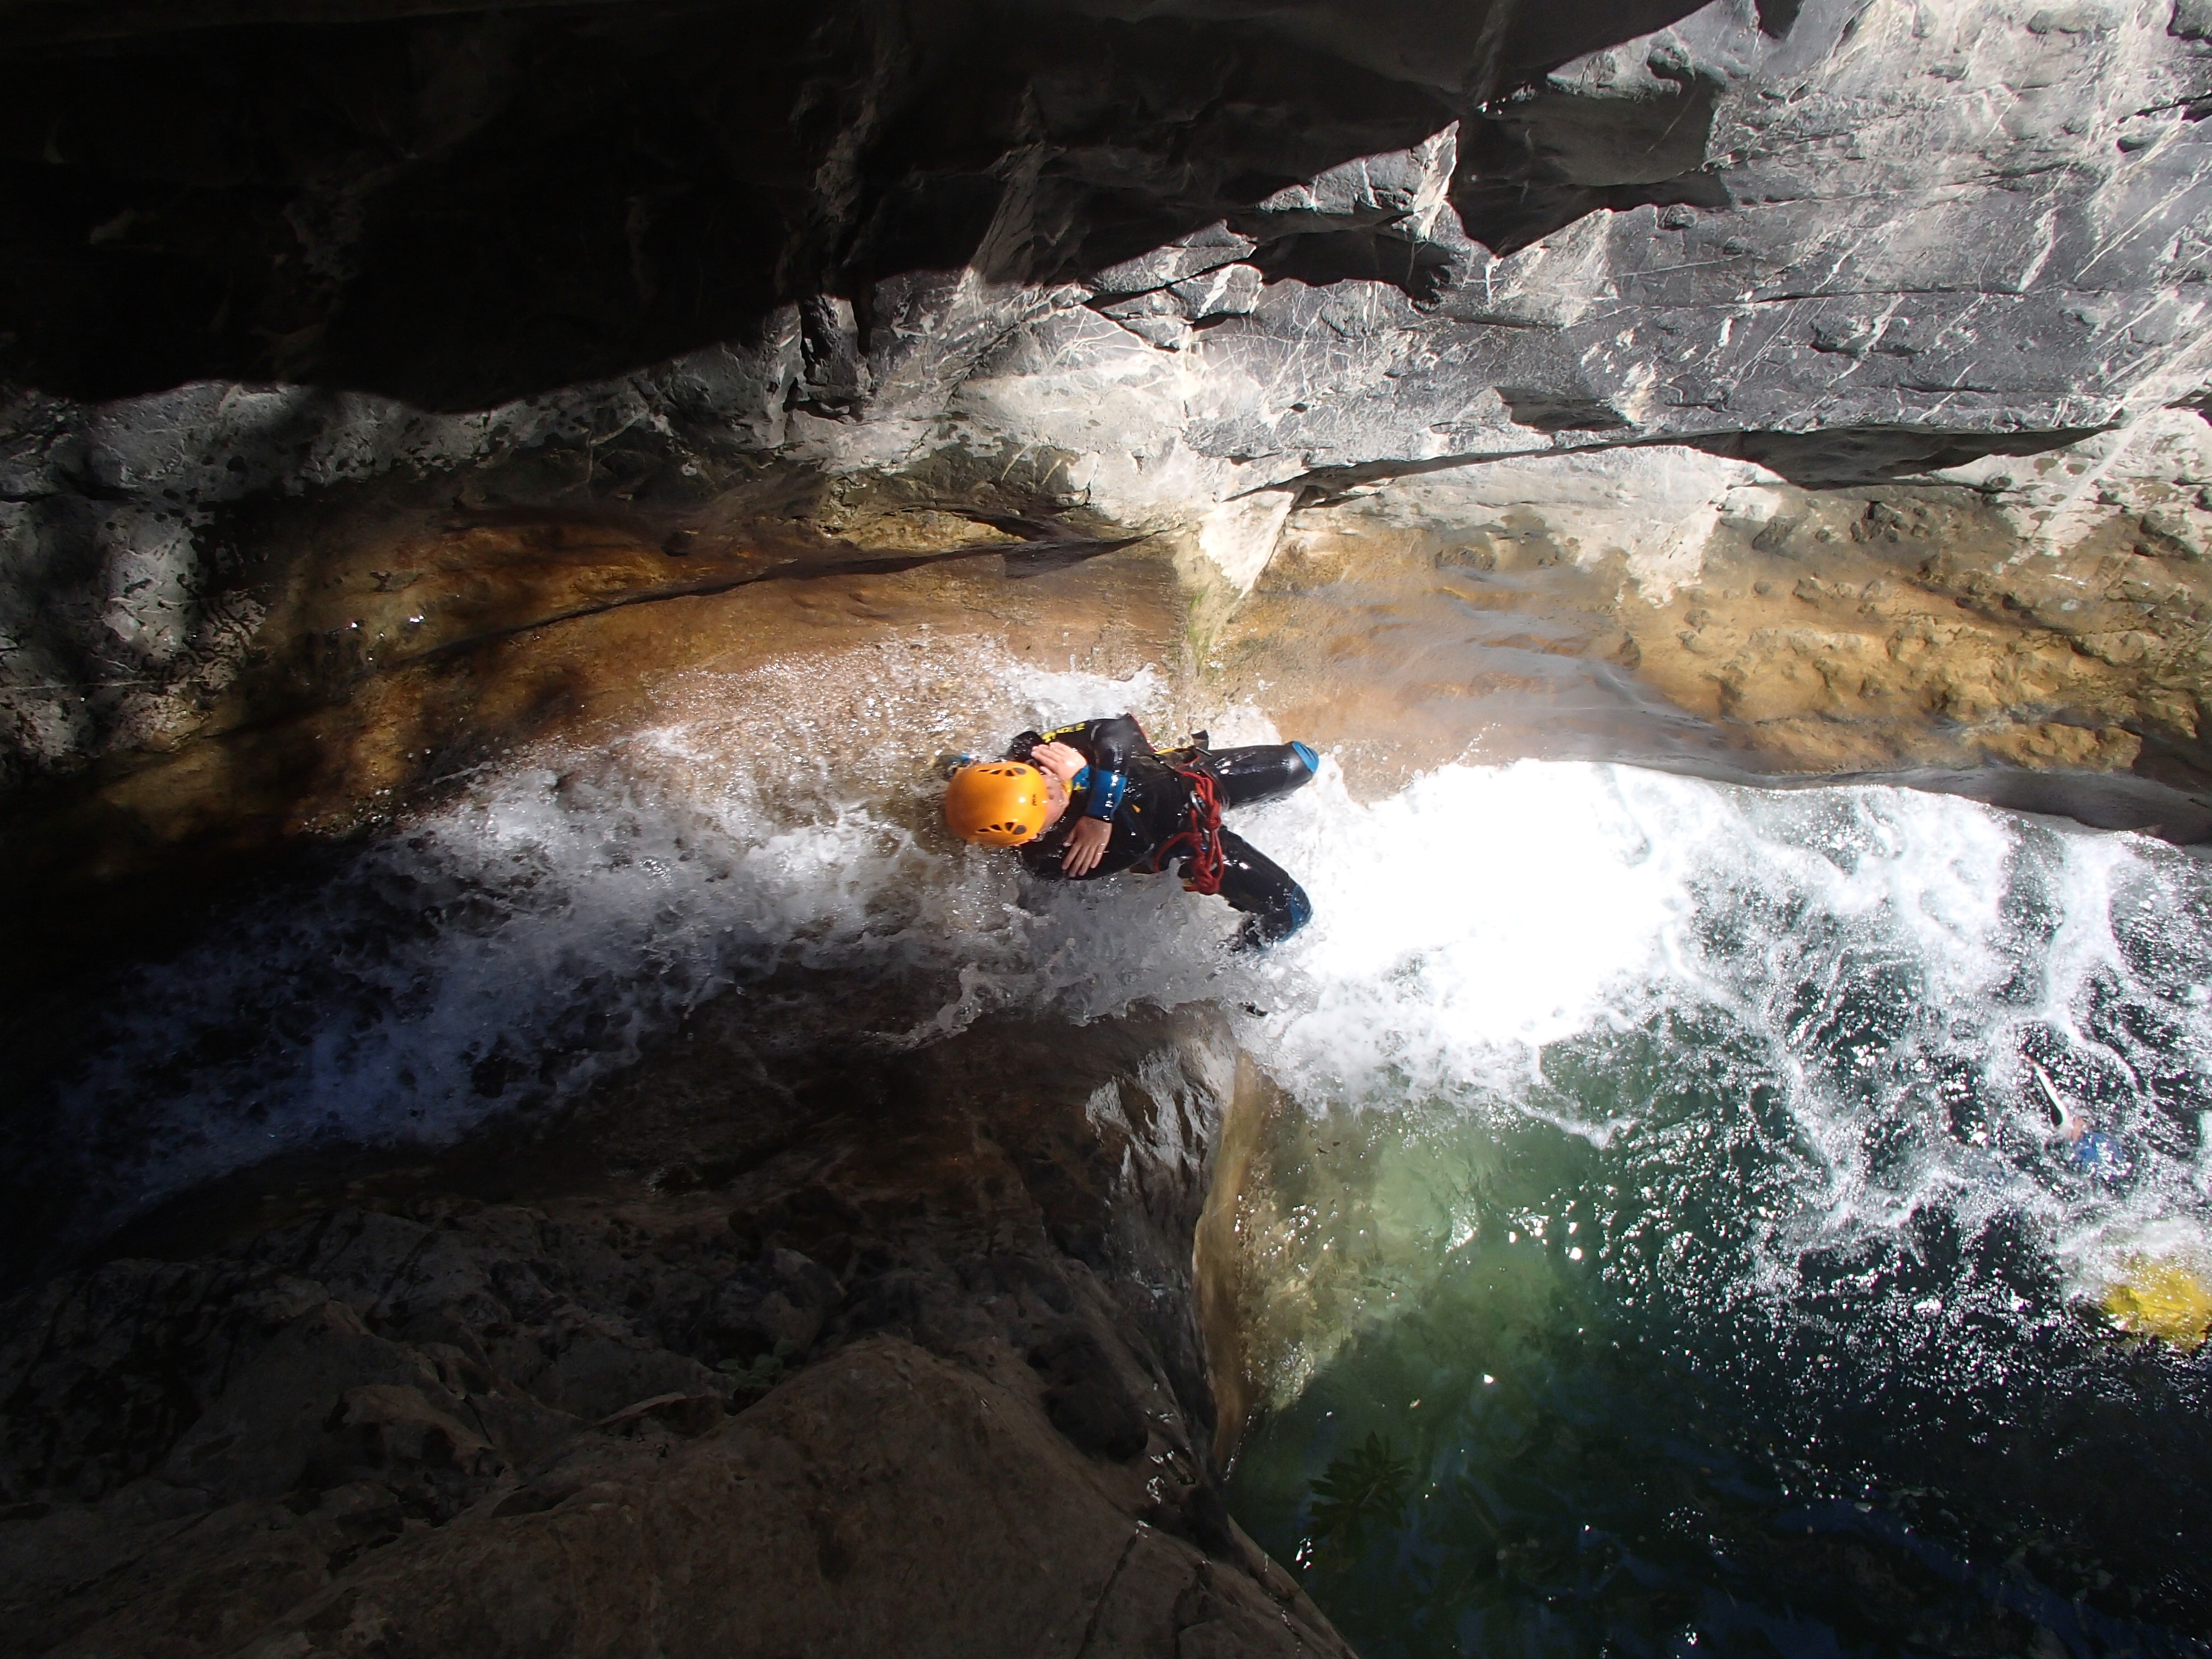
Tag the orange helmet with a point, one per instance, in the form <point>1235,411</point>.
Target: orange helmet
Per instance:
<point>996,803</point>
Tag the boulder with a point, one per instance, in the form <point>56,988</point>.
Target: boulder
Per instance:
<point>641,1420</point>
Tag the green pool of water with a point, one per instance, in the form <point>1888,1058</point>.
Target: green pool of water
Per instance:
<point>1544,1392</point>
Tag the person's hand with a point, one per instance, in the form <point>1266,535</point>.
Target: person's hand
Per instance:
<point>1086,845</point>
<point>1060,760</point>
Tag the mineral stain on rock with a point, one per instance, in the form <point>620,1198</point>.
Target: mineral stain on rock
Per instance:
<point>1836,633</point>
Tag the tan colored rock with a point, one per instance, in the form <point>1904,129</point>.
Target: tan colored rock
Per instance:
<point>1901,629</point>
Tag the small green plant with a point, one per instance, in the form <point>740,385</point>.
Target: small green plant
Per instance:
<point>1362,1489</point>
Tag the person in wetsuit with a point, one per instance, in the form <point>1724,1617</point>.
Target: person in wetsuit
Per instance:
<point>1095,799</point>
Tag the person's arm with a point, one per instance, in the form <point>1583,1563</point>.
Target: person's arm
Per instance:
<point>1088,836</point>
<point>1114,744</point>
<point>1108,747</point>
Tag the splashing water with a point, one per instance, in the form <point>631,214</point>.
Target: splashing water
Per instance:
<point>1663,1180</point>
<point>1673,1145</point>
<point>1884,967</point>
<point>504,950</point>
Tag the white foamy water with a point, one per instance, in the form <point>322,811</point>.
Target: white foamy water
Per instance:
<point>1888,962</point>
<point>506,949</point>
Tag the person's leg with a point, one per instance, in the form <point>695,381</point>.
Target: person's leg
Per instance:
<point>1262,771</point>
<point>1262,890</point>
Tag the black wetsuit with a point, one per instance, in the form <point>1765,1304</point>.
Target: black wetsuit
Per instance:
<point>1157,805</point>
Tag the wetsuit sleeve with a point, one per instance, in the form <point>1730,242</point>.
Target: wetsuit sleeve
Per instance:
<point>1023,746</point>
<point>1115,742</point>
<point>1112,743</point>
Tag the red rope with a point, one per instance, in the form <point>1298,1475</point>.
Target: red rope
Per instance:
<point>1203,835</point>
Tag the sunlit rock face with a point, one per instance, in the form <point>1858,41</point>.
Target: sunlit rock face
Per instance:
<point>754,296</point>
<point>1603,598</point>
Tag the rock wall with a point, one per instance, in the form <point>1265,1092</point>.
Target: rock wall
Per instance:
<point>1189,272</point>
<point>1756,629</point>
<point>914,1370</point>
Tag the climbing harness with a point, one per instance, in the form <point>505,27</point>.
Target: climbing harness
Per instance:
<point>1200,841</point>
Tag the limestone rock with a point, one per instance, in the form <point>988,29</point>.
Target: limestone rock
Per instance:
<point>1835,240</point>
<point>448,1426</point>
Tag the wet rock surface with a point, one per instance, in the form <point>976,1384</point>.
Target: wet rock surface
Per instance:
<point>1811,634</point>
<point>606,297</point>
<point>914,1370</point>
<point>777,703</point>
